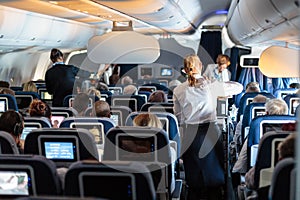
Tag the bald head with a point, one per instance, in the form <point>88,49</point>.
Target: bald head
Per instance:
<point>101,109</point>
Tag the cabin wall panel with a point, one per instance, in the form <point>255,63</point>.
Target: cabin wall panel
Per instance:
<point>18,67</point>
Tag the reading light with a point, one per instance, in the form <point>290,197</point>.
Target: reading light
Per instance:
<point>221,12</point>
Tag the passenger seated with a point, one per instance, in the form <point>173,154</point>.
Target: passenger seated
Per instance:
<point>237,136</point>
<point>158,96</point>
<point>4,84</point>
<point>92,91</point>
<point>30,87</point>
<point>147,119</point>
<point>102,87</point>
<point>151,120</point>
<point>252,87</point>
<point>114,78</point>
<point>273,107</point>
<point>4,90</point>
<point>126,80</point>
<point>101,109</point>
<point>81,103</point>
<point>295,85</point>
<point>38,108</point>
<point>12,122</point>
<point>130,90</point>
<point>219,71</point>
<point>285,149</point>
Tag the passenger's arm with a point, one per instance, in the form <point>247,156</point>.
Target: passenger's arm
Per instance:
<point>249,178</point>
<point>238,133</point>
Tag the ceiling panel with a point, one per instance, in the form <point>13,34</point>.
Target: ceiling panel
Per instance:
<point>148,16</point>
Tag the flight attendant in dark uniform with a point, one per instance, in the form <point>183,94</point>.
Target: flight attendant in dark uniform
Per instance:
<point>202,150</point>
<point>60,78</point>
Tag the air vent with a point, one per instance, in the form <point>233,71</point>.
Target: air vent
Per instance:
<point>215,27</point>
<point>122,26</point>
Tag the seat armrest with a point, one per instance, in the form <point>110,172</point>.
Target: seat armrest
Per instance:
<point>177,191</point>
<point>173,144</point>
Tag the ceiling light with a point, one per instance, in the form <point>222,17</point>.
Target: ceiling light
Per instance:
<point>221,12</point>
<point>53,2</point>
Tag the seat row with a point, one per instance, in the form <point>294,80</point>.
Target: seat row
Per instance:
<point>33,175</point>
<point>65,146</point>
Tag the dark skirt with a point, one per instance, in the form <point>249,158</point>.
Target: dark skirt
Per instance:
<point>203,155</point>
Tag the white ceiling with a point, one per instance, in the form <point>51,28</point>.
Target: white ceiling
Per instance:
<point>148,16</point>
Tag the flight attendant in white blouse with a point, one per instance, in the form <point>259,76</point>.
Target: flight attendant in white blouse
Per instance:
<point>202,150</point>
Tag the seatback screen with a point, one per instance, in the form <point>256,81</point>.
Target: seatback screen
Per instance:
<point>59,149</point>
<point>14,183</point>
<point>3,107</point>
<point>136,148</point>
<point>110,185</point>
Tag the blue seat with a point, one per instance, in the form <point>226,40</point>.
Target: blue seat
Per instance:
<point>106,92</point>
<point>134,102</point>
<point>252,110</point>
<point>67,99</point>
<point>63,111</point>
<point>262,124</point>
<point>292,100</point>
<point>158,107</point>
<point>282,92</point>
<point>7,144</point>
<point>109,180</point>
<point>75,144</point>
<point>115,90</point>
<point>237,98</point>
<point>16,88</point>
<point>267,157</point>
<point>158,86</point>
<point>96,125</point>
<point>11,102</point>
<point>73,122</point>
<point>146,93</point>
<point>34,95</point>
<point>281,180</point>
<point>169,122</point>
<point>32,123</point>
<point>25,98</point>
<point>39,173</point>
<point>146,81</point>
<point>40,122</point>
<point>247,98</point>
<point>121,145</point>
<point>122,112</point>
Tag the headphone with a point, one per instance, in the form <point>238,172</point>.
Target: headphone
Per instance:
<point>18,128</point>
